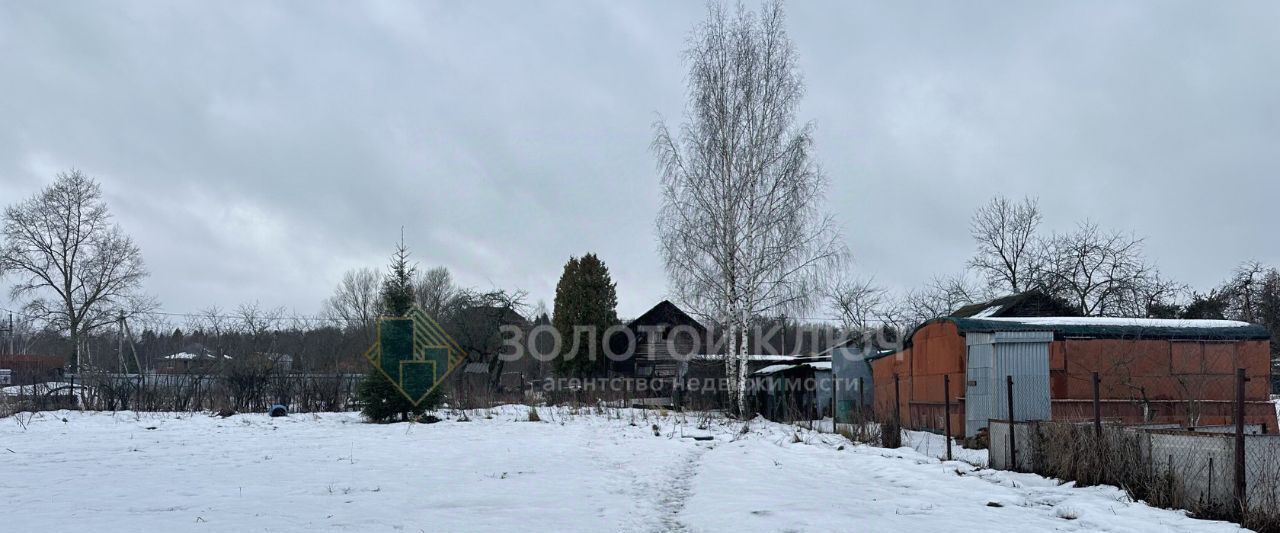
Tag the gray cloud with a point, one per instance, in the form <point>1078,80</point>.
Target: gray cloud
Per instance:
<point>255,151</point>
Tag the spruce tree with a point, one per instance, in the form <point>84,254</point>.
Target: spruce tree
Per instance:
<point>586,297</point>
<point>380,399</point>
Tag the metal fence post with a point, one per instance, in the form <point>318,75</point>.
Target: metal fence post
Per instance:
<point>1097,407</point>
<point>1241,498</point>
<point>1013,446</point>
<point>862,400</point>
<point>946,417</point>
<point>835,388</point>
<point>897,402</point>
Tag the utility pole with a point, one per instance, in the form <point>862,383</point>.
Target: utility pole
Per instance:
<point>120,344</point>
<point>783,318</point>
<point>9,333</point>
<point>137,363</point>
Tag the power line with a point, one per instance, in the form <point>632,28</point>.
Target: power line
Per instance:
<point>265,316</point>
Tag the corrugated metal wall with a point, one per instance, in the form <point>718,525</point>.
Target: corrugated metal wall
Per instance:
<point>993,357</point>
<point>1025,356</point>
<point>849,369</point>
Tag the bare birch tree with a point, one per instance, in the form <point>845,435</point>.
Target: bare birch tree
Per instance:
<point>65,251</point>
<point>742,228</point>
<point>1005,233</point>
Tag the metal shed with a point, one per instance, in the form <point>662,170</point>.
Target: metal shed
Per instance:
<point>851,379</point>
<point>793,391</point>
<point>993,357</point>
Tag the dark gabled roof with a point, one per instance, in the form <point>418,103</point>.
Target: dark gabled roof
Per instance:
<point>1115,328</point>
<point>666,314</point>
<point>1029,303</point>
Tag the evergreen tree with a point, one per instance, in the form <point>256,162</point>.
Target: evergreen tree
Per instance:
<point>380,399</point>
<point>1210,306</point>
<point>586,297</point>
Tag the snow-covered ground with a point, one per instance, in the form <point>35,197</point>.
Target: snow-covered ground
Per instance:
<point>934,445</point>
<point>571,472</point>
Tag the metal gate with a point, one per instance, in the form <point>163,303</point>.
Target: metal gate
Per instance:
<point>977,395</point>
<point>995,356</point>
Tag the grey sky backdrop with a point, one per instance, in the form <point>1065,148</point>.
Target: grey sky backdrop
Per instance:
<point>257,150</point>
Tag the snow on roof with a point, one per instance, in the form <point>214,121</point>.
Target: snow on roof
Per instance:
<point>1117,321</point>
<point>184,355</point>
<point>189,355</point>
<point>1116,327</point>
<point>988,312</point>
<point>751,357</point>
<point>773,369</point>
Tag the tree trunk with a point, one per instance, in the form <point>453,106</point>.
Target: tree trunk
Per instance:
<point>73,359</point>
<point>741,363</point>
<point>731,367</point>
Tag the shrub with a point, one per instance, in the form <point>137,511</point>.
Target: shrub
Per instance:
<point>890,434</point>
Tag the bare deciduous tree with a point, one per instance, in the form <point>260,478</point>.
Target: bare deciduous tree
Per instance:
<point>939,298</point>
<point>1103,273</point>
<point>65,251</point>
<point>859,304</point>
<point>538,311</point>
<point>432,290</point>
<point>356,301</point>
<point>1005,233</point>
<point>741,229</point>
<point>214,324</point>
<point>1253,294</point>
<point>255,320</point>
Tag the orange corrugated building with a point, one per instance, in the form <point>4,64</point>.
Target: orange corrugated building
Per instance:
<point>1151,371</point>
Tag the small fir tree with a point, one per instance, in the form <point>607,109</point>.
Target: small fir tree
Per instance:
<point>380,399</point>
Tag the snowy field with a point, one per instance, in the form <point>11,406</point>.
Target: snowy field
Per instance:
<point>74,471</point>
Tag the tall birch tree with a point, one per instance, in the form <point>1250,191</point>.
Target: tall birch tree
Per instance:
<point>742,228</point>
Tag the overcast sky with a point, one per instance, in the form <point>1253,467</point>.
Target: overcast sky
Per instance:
<point>257,150</point>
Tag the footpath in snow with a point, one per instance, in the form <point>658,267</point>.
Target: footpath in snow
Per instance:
<point>74,471</point>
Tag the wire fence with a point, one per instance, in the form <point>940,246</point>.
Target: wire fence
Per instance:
<point>240,392</point>
<point>1227,470</point>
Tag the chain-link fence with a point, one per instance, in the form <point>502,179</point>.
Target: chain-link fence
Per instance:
<point>1209,452</point>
